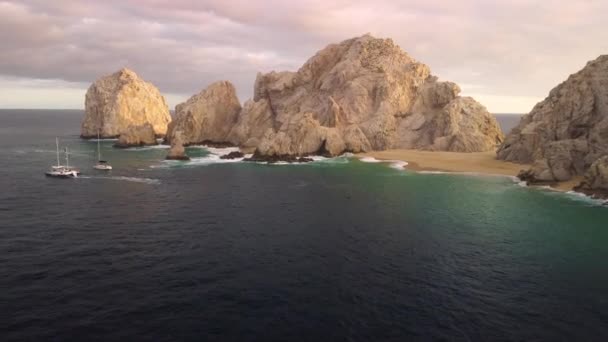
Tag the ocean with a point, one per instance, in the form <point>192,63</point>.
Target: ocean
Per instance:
<point>334,250</point>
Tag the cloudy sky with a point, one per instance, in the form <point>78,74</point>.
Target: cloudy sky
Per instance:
<point>507,54</point>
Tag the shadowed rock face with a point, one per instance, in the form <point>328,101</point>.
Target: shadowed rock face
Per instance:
<point>596,179</point>
<point>115,102</point>
<point>141,135</point>
<point>568,131</point>
<point>362,94</point>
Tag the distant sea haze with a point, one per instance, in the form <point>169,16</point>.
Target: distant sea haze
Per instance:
<point>507,121</point>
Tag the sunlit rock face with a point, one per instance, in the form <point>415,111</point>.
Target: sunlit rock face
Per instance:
<point>137,135</point>
<point>568,131</point>
<point>117,101</point>
<point>206,117</point>
<point>359,95</point>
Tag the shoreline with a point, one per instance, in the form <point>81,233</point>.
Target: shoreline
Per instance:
<point>483,163</point>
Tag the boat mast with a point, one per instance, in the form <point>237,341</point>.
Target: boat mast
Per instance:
<point>67,158</point>
<point>98,148</point>
<point>57,144</point>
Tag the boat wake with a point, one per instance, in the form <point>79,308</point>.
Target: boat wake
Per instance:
<point>125,178</point>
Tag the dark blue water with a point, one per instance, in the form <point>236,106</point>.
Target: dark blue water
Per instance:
<point>334,250</point>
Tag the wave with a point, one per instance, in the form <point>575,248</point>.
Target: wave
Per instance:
<point>394,164</point>
<point>397,164</point>
<point>146,148</point>
<point>470,173</point>
<point>103,139</point>
<point>216,150</point>
<point>370,160</point>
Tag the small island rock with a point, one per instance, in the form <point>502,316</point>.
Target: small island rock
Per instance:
<point>117,101</point>
<point>177,150</point>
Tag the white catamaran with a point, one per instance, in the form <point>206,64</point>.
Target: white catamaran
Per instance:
<point>101,164</point>
<point>62,171</point>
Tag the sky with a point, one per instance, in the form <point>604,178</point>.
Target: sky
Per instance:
<point>506,54</point>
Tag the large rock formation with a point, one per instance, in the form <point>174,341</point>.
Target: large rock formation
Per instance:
<point>142,135</point>
<point>206,117</point>
<point>568,131</point>
<point>115,102</point>
<point>362,94</point>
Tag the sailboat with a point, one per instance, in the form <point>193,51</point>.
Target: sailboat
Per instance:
<point>101,164</point>
<point>62,171</point>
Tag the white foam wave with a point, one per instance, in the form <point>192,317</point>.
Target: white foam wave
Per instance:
<point>370,160</point>
<point>586,198</point>
<point>394,164</point>
<point>146,148</point>
<point>221,150</point>
<point>102,140</point>
<point>398,164</point>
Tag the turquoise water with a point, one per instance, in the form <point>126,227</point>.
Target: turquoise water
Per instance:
<point>333,250</point>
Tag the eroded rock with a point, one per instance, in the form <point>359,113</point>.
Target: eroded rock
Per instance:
<point>117,101</point>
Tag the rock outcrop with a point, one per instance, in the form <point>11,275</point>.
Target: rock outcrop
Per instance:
<point>567,132</point>
<point>177,150</point>
<point>233,155</point>
<point>142,135</point>
<point>115,102</point>
<point>362,94</point>
<point>595,182</point>
<point>208,116</point>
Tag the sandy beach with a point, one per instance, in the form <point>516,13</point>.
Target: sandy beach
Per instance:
<point>476,162</point>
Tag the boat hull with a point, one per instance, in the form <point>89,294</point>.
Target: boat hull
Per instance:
<point>60,175</point>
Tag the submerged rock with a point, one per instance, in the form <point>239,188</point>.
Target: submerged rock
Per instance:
<point>359,95</point>
<point>275,158</point>
<point>208,117</point>
<point>233,155</point>
<point>115,102</point>
<point>133,136</point>
<point>568,131</point>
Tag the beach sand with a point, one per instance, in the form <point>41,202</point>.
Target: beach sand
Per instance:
<point>476,162</point>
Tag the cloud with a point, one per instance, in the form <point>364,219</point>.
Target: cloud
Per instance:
<point>511,49</point>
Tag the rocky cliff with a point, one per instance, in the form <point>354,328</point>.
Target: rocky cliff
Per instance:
<point>141,135</point>
<point>115,102</point>
<point>359,95</point>
<point>595,182</point>
<point>206,117</point>
<point>568,131</point>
